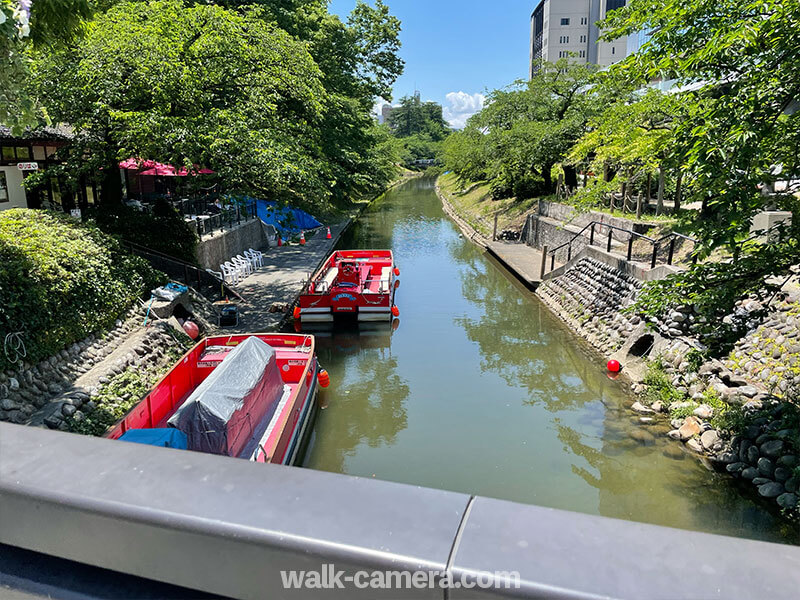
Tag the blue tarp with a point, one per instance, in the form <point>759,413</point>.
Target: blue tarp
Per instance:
<point>285,218</point>
<point>168,437</point>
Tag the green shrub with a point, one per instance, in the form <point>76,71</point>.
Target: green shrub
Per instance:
<point>61,280</point>
<point>659,386</point>
<point>164,231</point>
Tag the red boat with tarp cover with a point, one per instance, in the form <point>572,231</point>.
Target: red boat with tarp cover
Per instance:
<point>360,283</point>
<point>249,396</point>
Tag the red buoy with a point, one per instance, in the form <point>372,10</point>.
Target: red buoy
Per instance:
<point>395,311</point>
<point>191,329</point>
<point>396,283</point>
<point>323,378</point>
<point>613,366</point>
<point>296,312</point>
<point>396,271</point>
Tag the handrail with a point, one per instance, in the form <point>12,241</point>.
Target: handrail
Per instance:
<point>183,268</point>
<point>656,243</point>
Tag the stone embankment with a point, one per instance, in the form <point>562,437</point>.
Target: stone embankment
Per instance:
<point>753,382</point>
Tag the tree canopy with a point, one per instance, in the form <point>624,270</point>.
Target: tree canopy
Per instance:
<point>526,129</point>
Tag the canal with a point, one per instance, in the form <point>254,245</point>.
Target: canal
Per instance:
<point>481,390</point>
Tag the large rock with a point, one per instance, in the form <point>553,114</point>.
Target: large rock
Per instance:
<point>782,474</point>
<point>694,445</point>
<point>711,440</point>
<point>752,455</point>
<point>691,427</point>
<point>771,490</point>
<point>704,411</point>
<point>735,467</point>
<point>787,500</point>
<point>641,408</point>
<point>750,473</point>
<point>765,467</point>
<point>787,460</point>
<point>772,448</point>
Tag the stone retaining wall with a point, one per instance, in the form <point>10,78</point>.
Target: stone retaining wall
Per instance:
<point>219,248</point>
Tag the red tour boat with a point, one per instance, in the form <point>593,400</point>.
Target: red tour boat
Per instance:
<point>249,396</point>
<point>360,283</point>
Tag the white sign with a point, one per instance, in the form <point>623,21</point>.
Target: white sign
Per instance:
<point>28,166</point>
<point>75,213</point>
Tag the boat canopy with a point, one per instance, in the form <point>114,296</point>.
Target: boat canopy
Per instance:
<point>220,416</point>
<point>164,436</point>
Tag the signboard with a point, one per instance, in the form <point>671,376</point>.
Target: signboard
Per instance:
<point>75,213</point>
<point>28,166</point>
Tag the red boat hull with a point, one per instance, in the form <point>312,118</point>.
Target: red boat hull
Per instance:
<point>298,368</point>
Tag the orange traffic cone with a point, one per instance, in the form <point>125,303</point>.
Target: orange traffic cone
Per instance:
<point>328,235</point>
<point>302,238</point>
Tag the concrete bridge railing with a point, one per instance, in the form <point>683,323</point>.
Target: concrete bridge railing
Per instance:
<point>230,527</point>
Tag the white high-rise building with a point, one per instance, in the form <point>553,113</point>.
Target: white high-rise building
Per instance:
<point>568,29</point>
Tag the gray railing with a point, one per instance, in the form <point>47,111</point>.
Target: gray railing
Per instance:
<point>668,240</point>
<point>231,527</point>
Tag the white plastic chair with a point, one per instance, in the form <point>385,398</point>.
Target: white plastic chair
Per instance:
<point>230,273</point>
<point>251,259</point>
<point>257,256</point>
<point>244,265</point>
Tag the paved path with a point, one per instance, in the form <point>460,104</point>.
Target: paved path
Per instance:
<point>281,279</point>
<point>522,260</point>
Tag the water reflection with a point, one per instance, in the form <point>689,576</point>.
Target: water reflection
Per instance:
<point>368,407</point>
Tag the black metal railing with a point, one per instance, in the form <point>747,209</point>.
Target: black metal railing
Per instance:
<point>206,283</point>
<point>669,241</point>
<point>209,213</point>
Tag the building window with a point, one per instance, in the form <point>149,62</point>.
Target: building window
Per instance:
<point>564,39</point>
<point>565,21</point>
<point>613,50</point>
<point>583,53</point>
<point>583,39</point>
<point>584,20</point>
<point>614,5</point>
<point>3,187</point>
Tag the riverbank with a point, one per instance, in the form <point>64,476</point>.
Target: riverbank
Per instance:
<point>735,415</point>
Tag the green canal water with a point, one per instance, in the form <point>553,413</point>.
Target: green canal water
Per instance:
<point>481,390</point>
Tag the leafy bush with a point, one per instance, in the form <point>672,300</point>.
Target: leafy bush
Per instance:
<point>60,281</point>
<point>164,231</point>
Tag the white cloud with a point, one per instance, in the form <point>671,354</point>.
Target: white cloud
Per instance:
<point>461,106</point>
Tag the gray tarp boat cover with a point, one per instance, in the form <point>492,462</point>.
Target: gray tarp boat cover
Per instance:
<point>220,415</point>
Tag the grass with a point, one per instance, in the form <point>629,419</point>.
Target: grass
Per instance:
<point>475,205</point>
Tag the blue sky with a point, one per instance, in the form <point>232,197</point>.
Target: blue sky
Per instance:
<point>455,51</point>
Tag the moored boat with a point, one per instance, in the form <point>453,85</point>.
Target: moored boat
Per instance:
<point>248,396</point>
<point>358,283</point>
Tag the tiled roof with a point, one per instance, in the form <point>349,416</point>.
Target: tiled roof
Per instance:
<point>57,132</point>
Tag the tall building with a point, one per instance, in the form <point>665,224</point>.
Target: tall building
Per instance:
<point>568,29</point>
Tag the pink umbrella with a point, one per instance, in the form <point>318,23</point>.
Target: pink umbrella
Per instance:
<point>152,167</point>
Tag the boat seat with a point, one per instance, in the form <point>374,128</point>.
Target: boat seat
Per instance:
<point>325,283</point>
<point>380,285</point>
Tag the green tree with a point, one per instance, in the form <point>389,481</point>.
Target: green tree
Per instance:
<point>358,60</point>
<point>739,69</point>
<point>633,138</point>
<point>190,85</point>
<point>530,126</point>
<point>23,26</point>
